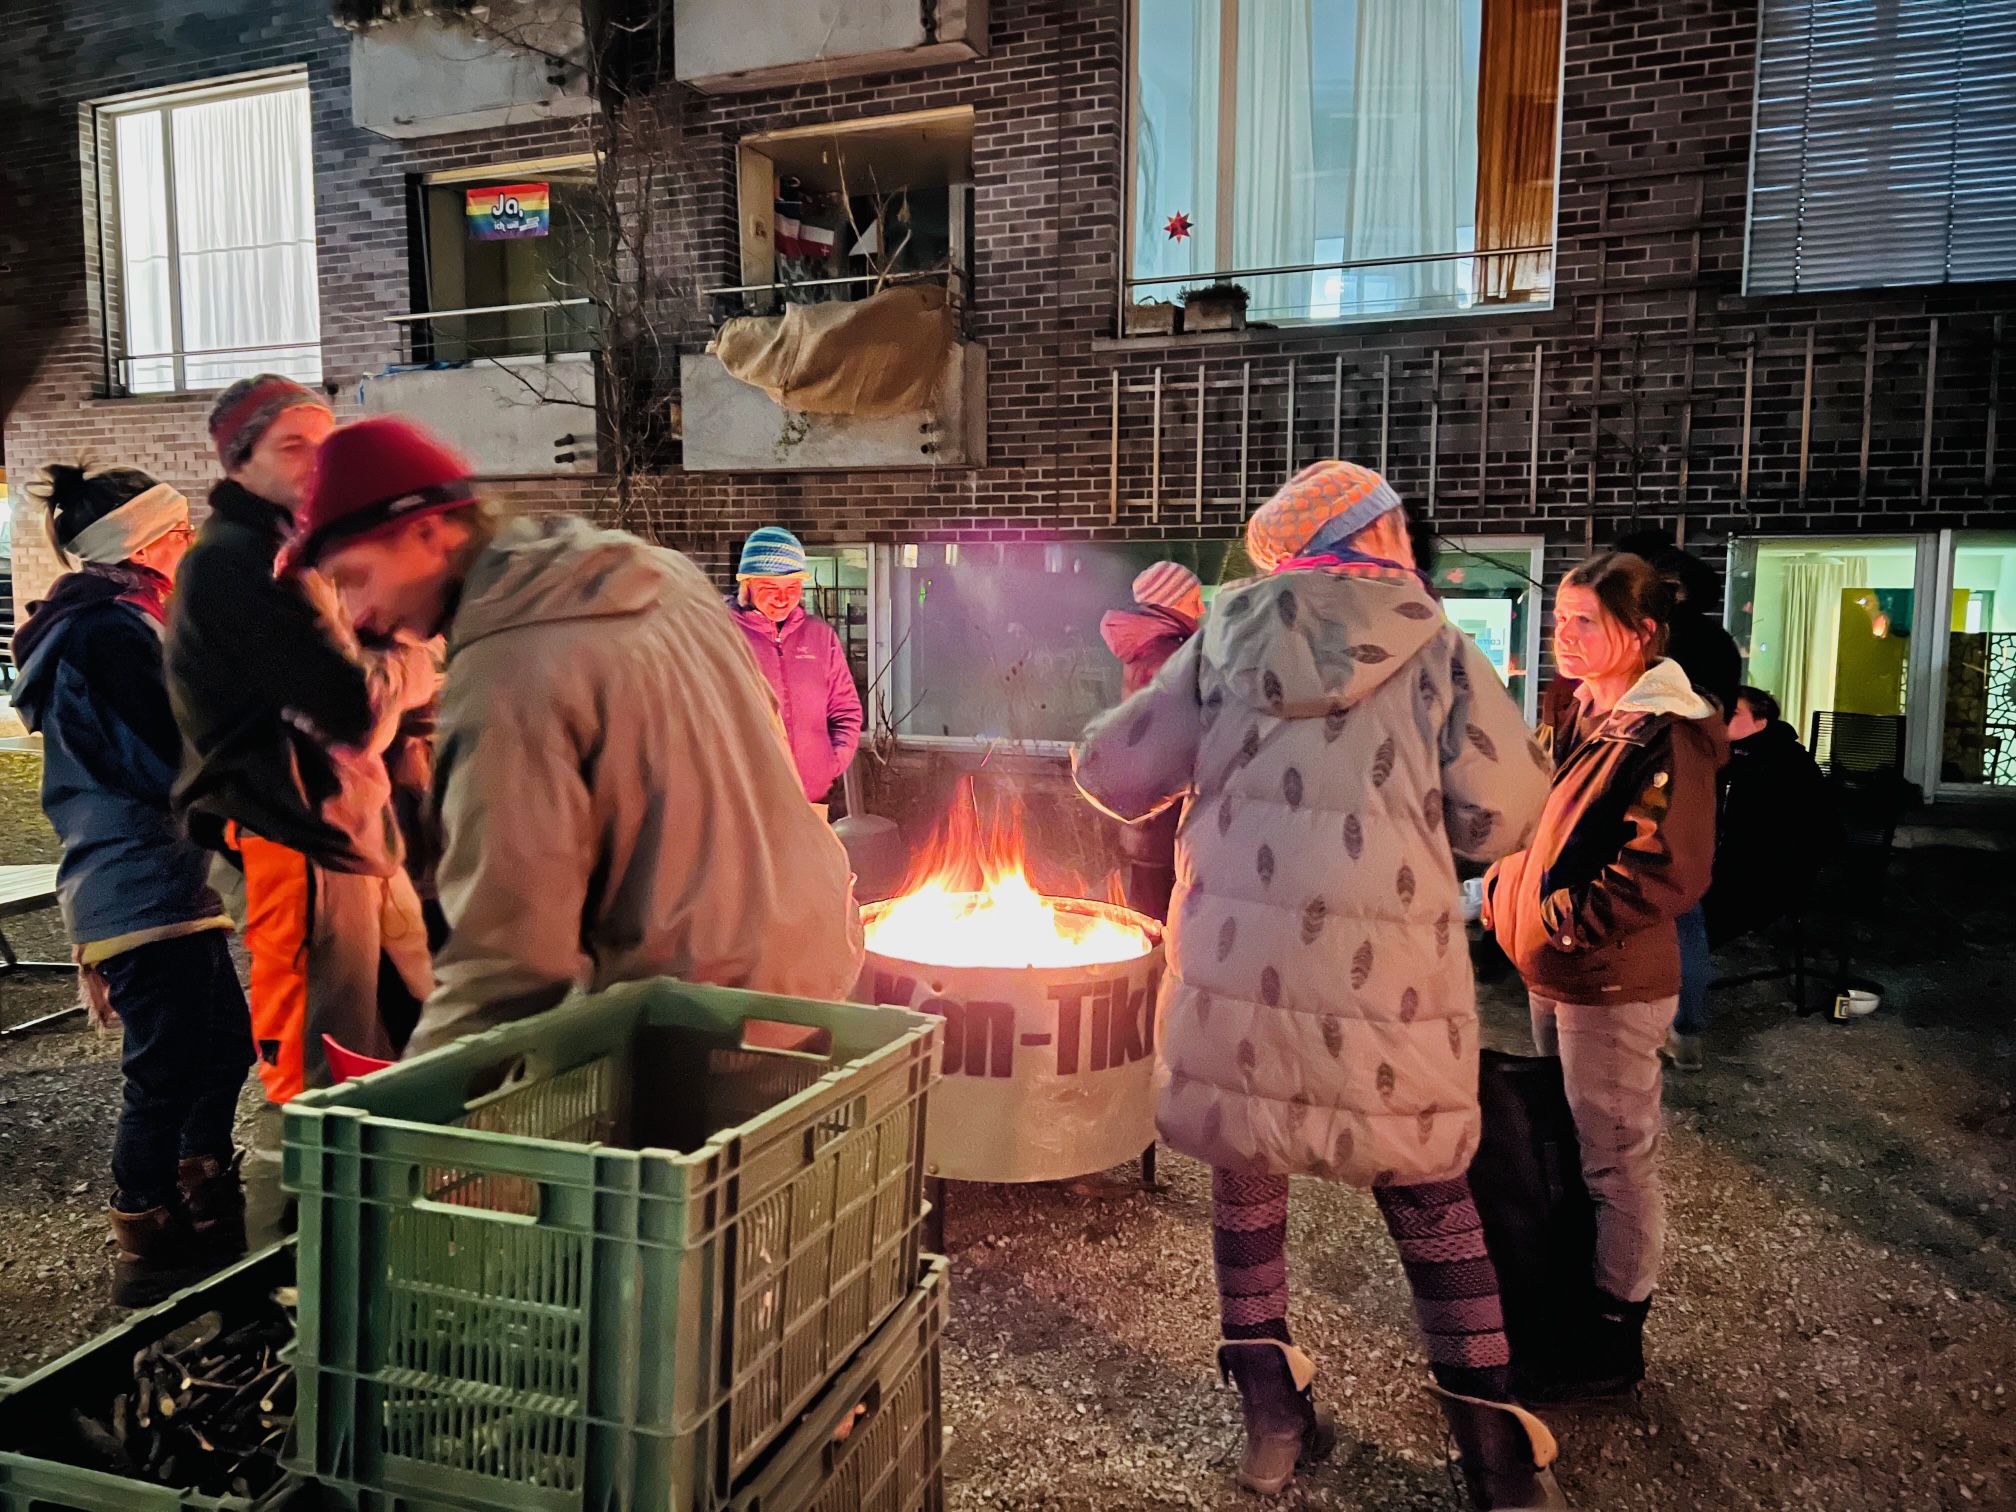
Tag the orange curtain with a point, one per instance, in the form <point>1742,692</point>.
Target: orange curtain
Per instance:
<point>1518,94</point>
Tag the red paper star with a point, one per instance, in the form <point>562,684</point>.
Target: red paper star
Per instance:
<point>1178,227</point>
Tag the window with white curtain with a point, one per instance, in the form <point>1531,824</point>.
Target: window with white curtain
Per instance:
<point>1346,159</point>
<point>1885,148</point>
<point>210,204</point>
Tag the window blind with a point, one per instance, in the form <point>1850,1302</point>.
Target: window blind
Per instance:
<point>1885,144</point>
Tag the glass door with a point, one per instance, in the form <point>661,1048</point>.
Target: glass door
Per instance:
<point>1977,729</point>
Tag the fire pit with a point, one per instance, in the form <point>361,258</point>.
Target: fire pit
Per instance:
<point>1048,1002</point>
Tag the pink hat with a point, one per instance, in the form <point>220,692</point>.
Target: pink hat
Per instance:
<point>1170,585</point>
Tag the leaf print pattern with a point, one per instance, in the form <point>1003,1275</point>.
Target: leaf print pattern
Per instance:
<point>1291,787</point>
<point>1431,809</point>
<point>1333,725</point>
<point>1225,815</point>
<point>1228,935</point>
<point>1403,885</point>
<point>1213,702</point>
<point>1314,914</point>
<point>1481,741</point>
<point>1459,675</point>
<point>1248,1057</point>
<point>1333,1034</point>
<point>1270,689</point>
<point>1270,987</point>
<point>1414,609</point>
<point>1250,746</point>
<point>1424,1125</point>
<point>1138,731</point>
<point>1368,654</point>
<point>1539,756</point>
<point>1441,934</point>
<point>1361,965</point>
<point>1354,837</point>
<point>1382,762</point>
<point>1384,1079</point>
<point>1286,605</point>
<point>1264,864</point>
<point>1410,1005</point>
<point>1455,1039</point>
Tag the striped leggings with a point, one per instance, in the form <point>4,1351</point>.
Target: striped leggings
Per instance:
<point>1441,1242</point>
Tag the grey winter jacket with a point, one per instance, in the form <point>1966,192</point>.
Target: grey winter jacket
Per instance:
<point>1342,743</point>
<point>615,795</point>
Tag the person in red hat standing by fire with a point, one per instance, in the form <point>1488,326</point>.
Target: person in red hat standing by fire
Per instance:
<point>615,796</point>
<point>283,718</point>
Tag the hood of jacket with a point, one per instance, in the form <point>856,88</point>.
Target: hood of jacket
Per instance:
<point>73,593</point>
<point>1774,738</point>
<point>1129,633</point>
<point>538,571</point>
<point>1300,645</point>
<point>1663,691</point>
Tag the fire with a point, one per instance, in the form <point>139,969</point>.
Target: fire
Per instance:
<point>970,903</point>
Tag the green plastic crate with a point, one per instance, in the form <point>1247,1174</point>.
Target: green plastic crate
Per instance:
<point>33,1414</point>
<point>517,1292</point>
<point>892,1459</point>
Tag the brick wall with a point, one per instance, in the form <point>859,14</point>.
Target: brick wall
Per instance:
<point>1647,347</point>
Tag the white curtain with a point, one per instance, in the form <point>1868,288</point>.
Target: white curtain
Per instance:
<point>142,169</point>
<point>1176,141</point>
<point>1409,150</point>
<point>1274,197</point>
<point>1810,634</point>
<point>245,232</point>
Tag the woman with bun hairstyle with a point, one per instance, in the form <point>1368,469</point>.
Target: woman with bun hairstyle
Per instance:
<point>1625,846</point>
<point>148,934</point>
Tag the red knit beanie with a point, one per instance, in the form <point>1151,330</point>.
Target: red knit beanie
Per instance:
<point>369,477</point>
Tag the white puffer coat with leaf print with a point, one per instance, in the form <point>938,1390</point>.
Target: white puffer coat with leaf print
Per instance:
<point>1340,743</point>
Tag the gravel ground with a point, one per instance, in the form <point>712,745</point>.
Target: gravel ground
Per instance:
<point>1834,1329</point>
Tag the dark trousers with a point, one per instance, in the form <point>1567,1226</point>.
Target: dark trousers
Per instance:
<point>188,1046</point>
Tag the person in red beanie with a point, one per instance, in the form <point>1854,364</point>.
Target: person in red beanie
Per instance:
<point>282,714</point>
<point>615,795</point>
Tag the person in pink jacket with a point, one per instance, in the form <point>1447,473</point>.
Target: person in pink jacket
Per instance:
<point>800,656</point>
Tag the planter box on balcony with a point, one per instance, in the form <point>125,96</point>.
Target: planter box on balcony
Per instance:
<point>511,415</point>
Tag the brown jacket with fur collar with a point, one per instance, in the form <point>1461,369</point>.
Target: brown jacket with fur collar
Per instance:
<point>1625,846</point>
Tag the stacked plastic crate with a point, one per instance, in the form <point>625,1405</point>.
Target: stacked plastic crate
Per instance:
<point>658,1248</point>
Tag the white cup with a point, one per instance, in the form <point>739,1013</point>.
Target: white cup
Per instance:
<point>1855,1003</point>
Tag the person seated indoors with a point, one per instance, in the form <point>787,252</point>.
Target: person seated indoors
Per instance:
<point>1777,824</point>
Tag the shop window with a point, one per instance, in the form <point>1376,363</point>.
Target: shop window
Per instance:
<point>837,592</point>
<point>1978,735</point>
<point>1826,623</point>
<point>207,212</point>
<point>514,247</point>
<point>842,210</point>
<point>1346,159</point>
<point>1884,144</point>
<point>1000,641</point>
<point>1490,589</point>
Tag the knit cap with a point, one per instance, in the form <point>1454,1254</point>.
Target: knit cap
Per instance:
<point>244,411</point>
<point>772,552</point>
<point>371,476</point>
<point>1170,585</point>
<point>1325,503</point>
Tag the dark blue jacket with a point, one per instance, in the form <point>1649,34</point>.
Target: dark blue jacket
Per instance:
<point>93,687</point>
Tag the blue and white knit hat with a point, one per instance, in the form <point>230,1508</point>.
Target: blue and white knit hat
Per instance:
<point>771,552</point>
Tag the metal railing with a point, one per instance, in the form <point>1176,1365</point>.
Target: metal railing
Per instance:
<point>178,378</point>
<point>1345,266</point>
<point>428,341</point>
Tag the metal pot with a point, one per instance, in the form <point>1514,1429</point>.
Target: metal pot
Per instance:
<point>1049,1070</point>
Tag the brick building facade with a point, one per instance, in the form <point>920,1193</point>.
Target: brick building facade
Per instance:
<point>1652,391</point>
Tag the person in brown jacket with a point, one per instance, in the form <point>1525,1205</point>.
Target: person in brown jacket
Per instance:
<point>1625,846</point>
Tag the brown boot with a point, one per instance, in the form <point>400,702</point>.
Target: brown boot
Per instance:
<point>1283,1427</point>
<point>215,1198</point>
<point>1504,1451</point>
<point>158,1256</point>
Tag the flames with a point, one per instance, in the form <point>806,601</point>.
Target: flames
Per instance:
<point>969,902</point>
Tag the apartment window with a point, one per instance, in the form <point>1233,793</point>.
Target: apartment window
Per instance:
<point>1885,145</point>
<point>839,211</point>
<point>1490,587</point>
<point>1346,159</point>
<point>209,227</point>
<point>516,245</point>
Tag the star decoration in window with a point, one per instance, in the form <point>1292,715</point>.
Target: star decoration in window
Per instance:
<point>1178,227</point>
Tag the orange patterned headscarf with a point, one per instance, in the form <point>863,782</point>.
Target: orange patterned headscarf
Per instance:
<point>1323,492</point>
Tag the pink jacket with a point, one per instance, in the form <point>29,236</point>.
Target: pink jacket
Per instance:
<point>807,670</point>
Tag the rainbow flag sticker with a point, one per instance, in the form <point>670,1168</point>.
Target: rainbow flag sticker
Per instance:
<point>508,212</point>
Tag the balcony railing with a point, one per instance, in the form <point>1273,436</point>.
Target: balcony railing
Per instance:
<point>544,328</point>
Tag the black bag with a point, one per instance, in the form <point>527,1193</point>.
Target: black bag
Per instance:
<point>1539,1221</point>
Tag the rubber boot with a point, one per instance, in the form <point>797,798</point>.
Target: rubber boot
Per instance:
<point>214,1194</point>
<point>159,1254</point>
<point>1504,1452</point>
<point>1607,1360</point>
<point>1283,1427</point>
